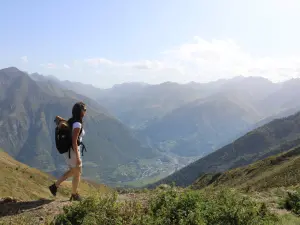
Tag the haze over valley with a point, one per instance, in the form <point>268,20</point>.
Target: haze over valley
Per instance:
<point>138,133</point>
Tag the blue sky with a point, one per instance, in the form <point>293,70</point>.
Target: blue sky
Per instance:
<point>108,42</point>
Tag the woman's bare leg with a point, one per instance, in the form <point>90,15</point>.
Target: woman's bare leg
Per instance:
<point>76,179</point>
<point>66,175</point>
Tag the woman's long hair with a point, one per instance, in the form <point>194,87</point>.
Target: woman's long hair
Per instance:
<point>76,111</point>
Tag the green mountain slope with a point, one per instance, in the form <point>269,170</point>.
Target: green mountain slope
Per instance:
<point>17,177</point>
<point>282,170</point>
<point>272,138</point>
<point>27,128</point>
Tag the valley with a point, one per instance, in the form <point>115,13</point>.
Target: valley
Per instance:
<point>220,141</point>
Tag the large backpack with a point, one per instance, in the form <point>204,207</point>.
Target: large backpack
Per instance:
<point>63,135</point>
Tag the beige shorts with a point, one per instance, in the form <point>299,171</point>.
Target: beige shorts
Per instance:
<point>71,162</point>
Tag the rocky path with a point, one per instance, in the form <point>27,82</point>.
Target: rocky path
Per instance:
<point>40,211</point>
<point>32,212</point>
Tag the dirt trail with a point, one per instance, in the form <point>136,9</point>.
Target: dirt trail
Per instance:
<point>36,212</point>
<point>30,212</point>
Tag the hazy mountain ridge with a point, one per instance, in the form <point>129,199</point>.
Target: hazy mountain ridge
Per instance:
<point>140,106</point>
<point>143,107</point>
<point>87,90</point>
<point>202,125</point>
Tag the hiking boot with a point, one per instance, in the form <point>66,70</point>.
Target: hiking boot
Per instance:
<point>53,189</point>
<point>75,197</point>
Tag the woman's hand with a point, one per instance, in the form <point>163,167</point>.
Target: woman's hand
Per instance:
<point>78,161</point>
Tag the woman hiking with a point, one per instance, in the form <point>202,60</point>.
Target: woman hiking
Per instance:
<point>73,158</point>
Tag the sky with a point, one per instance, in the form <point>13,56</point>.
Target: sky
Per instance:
<point>110,42</point>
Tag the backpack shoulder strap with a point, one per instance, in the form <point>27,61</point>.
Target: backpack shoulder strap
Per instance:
<point>71,121</point>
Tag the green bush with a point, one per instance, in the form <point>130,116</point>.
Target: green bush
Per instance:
<point>170,207</point>
<point>101,210</point>
<point>194,207</point>
<point>292,202</point>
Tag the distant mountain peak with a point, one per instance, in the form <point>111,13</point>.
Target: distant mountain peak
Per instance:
<point>11,69</point>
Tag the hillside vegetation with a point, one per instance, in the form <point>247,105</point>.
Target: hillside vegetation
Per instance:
<point>224,207</point>
<point>26,183</point>
<point>102,205</point>
<point>281,170</point>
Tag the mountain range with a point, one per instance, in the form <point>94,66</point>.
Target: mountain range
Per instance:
<point>195,119</point>
<point>241,133</point>
<point>145,131</point>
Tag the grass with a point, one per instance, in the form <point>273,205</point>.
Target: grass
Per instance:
<point>25,183</point>
<point>288,219</point>
<point>282,170</point>
<point>172,205</point>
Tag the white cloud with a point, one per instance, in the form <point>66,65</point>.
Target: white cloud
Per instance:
<point>200,60</point>
<point>66,66</point>
<point>24,59</point>
<point>140,65</point>
<point>203,60</point>
<point>144,65</point>
<point>210,60</point>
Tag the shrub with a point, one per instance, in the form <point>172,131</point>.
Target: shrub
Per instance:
<point>101,210</point>
<point>170,207</point>
<point>292,202</point>
<point>224,207</point>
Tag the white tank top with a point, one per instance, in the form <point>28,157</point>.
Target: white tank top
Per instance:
<point>78,125</point>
